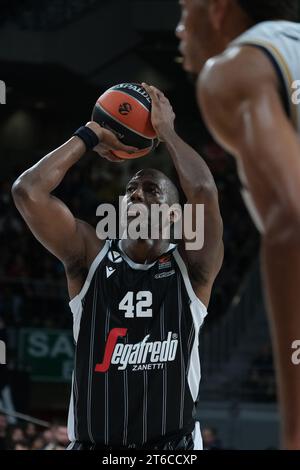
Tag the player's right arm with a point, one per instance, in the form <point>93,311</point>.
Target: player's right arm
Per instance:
<point>50,220</point>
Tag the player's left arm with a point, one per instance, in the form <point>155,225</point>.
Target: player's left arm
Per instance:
<point>203,261</point>
<point>240,99</point>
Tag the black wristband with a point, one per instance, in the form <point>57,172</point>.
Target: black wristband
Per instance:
<point>88,136</point>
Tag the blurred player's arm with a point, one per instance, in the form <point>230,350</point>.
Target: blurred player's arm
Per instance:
<point>199,187</point>
<point>239,96</point>
<point>49,219</point>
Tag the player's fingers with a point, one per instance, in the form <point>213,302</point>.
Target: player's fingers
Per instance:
<point>125,148</point>
<point>146,86</point>
<point>111,141</point>
<point>151,92</point>
<point>108,155</point>
<point>116,144</point>
<point>158,93</point>
<point>113,158</point>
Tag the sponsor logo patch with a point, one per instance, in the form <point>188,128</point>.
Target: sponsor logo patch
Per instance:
<point>145,355</point>
<point>164,262</point>
<point>109,271</point>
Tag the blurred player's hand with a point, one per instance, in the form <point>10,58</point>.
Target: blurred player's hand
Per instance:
<point>108,142</point>
<point>162,114</point>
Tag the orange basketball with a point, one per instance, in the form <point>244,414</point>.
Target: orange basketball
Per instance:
<point>125,109</point>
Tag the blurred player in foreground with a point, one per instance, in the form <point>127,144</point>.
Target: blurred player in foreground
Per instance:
<point>248,53</point>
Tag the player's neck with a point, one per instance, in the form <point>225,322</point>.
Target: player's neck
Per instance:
<point>144,251</point>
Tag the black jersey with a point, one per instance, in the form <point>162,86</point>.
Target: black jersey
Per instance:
<point>137,368</point>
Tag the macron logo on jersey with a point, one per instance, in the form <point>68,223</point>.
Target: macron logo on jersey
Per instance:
<point>143,355</point>
<point>109,271</point>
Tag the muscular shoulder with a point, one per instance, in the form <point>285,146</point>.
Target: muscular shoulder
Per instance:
<point>238,72</point>
<point>233,85</point>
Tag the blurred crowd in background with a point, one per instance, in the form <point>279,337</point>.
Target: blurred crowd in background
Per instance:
<point>54,437</point>
<point>31,437</point>
<point>260,384</point>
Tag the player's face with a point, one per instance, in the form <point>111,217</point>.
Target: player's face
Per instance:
<point>146,190</point>
<point>196,33</point>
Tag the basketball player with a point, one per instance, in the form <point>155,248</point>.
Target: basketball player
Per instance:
<point>245,94</point>
<point>137,305</point>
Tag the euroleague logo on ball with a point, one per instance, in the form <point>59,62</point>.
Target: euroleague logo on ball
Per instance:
<point>125,109</point>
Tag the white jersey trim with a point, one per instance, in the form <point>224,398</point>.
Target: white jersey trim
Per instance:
<point>132,264</point>
<point>194,372</point>
<point>71,421</point>
<point>281,40</point>
<point>187,282</point>
<point>199,312</point>
<point>197,437</point>
<point>139,266</point>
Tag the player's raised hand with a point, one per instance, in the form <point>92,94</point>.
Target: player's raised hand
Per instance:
<point>162,114</point>
<point>108,142</point>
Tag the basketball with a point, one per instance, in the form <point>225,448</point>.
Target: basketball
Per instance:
<point>125,109</point>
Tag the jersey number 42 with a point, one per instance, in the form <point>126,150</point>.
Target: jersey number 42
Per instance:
<point>137,304</point>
